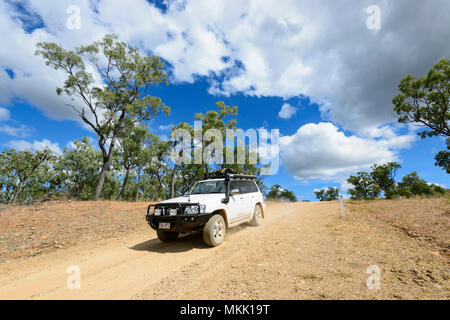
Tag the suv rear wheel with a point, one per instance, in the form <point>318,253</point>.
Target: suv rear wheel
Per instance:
<point>257,216</point>
<point>166,236</point>
<point>214,231</point>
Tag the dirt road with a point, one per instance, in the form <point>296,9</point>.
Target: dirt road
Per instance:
<point>301,251</point>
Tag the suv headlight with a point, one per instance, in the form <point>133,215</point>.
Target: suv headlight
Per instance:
<point>191,210</point>
<point>195,209</point>
<point>157,212</point>
<point>173,212</point>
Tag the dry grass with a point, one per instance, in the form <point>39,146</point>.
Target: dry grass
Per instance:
<point>313,253</point>
<point>425,219</point>
<point>301,251</point>
<point>40,228</point>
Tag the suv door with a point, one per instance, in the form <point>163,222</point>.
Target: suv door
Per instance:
<point>238,201</point>
<point>254,195</point>
<point>235,204</point>
<point>246,198</point>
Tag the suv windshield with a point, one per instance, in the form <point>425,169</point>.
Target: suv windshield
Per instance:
<point>204,187</point>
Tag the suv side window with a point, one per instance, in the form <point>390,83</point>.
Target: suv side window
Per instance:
<point>252,186</point>
<point>234,185</point>
<point>241,185</point>
<point>245,188</point>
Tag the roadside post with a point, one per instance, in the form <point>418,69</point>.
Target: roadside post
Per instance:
<point>342,205</point>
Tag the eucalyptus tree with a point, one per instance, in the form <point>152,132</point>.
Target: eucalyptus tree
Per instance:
<point>154,168</point>
<point>426,101</point>
<point>327,194</point>
<point>120,101</point>
<point>184,150</point>
<point>364,187</point>
<point>191,159</point>
<point>443,158</point>
<point>77,170</point>
<point>412,185</point>
<point>19,171</point>
<point>277,193</point>
<point>384,176</point>
<point>153,158</point>
<point>214,121</point>
<point>215,125</point>
<point>131,147</point>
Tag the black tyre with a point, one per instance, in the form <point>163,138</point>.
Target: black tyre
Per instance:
<point>257,216</point>
<point>214,231</point>
<point>166,236</point>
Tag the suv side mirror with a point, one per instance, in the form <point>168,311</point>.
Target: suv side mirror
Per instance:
<point>234,192</point>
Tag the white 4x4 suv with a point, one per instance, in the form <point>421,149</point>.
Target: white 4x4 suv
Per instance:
<point>213,205</point>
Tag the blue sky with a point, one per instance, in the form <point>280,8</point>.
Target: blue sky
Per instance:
<point>336,74</point>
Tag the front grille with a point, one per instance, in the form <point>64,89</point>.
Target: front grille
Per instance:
<point>165,209</point>
<point>180,207</point>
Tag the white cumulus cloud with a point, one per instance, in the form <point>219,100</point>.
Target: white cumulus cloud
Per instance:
<point>437,184</point>
<point>287,111</point>
<point>320,49</point>
<point>321,151</point>
<point>166,127</point>
<point>4,114</point>
<point>22,145</point>
<point>21,131</point>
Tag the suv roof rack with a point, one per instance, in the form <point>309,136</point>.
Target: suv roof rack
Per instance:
<point>228,173</point>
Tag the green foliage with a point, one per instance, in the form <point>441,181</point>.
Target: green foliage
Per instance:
<point>368,186</point>
<point>77,170</point>
<point>123,102</point>
<point>364,187</point>
<point>443,158</point>
<point>327,194</point>
<point>24,175</point>
<point>183,176</point>
<point>384,177</point>
<point>152,167</point>
<point>413,185</point>
<point>131,163</point>
<point>426,100</point>
<point>279,194</point>
<point>215,120</point>
<point>133,153</point>
<point>437,189</point>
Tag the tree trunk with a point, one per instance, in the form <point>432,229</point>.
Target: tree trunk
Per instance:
<point>137,184</point>
<point>106,159</point>
<point>18,191</point>
<point>160,184</point>
<point>172,186</point>
<point>105,168</point>
<point>101,181</point>
<point>172,182</point>
<point>125,181</point>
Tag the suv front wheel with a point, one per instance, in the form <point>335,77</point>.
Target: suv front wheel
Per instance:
<point>214,231</point>
<point>166,236</point>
